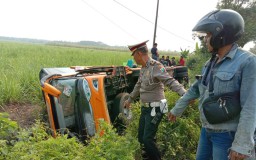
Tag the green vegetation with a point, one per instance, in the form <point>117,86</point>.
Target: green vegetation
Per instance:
<point>176,140</point>
<point>21,63</point>
<point>35,143</point>
<point>248,10</point>
<point>19,83</point>
<point>196,60</point>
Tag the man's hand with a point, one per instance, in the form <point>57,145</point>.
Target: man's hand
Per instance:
<point>233,155</point>
<point>171,117</point>
<point>127,104</point>
<point>191,102</point>
<point>127,69</point>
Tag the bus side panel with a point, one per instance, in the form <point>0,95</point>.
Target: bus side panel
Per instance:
<point>97,99</point>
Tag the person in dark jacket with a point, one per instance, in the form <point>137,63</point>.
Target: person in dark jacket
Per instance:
<point>154,52</point>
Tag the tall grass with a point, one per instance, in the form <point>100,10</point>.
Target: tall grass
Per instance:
<point>19,82</point>
<point>21,63</point>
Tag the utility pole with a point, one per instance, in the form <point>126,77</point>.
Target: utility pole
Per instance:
<point>154,38</point>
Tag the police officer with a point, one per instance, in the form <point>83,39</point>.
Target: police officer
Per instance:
<point>150,88</point>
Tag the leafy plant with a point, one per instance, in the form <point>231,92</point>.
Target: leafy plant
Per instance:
<point>110,145</point>
<point>184,53</point>
<point>179,140</point>
<point>36,143</point>
<point>8,128</point>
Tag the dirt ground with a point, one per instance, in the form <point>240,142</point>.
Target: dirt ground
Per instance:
<point>24,114</point>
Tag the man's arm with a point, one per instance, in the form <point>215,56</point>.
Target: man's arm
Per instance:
<point>163,76</point>
<point>174,85</point>
<point>182,103</point>
<point>243,142</point>
<point>135,93</point>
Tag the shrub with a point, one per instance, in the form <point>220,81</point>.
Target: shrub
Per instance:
<point>8,128</point>
<point>36,143</point>
<point>178,140</point>
<point>111,146</point>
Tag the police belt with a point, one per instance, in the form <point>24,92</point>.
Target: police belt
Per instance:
<point>150,104</point>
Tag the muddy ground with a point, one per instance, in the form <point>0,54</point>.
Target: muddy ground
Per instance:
<point>24,114</point>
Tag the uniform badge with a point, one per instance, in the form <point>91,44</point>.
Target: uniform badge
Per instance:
<point>162,69</point>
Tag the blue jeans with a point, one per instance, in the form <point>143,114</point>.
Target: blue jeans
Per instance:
<point>214,145</point>
<point>154,57</point>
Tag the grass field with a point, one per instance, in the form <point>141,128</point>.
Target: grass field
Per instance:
<point>19,83</point>
<point>21,63</point>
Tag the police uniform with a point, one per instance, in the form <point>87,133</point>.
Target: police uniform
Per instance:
<point>150,87</point>
<point>151,82</point>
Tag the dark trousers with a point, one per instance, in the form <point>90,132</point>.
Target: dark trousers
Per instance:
<point>147,132</point>
<point>154,56</point>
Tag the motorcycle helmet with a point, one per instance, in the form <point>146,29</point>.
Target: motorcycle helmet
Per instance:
<point>226,27</point>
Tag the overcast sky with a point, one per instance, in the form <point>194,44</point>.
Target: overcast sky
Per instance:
<point>113,22</point>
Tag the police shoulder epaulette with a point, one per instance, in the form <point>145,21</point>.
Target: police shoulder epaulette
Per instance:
<point>158,63</point>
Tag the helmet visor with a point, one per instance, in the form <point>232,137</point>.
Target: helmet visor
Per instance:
<point>199,35</point>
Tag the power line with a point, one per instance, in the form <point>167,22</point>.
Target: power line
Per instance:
<point>137,14</point>
<point>111,21</point>
<point>122,29</point>
<point>133,12</point>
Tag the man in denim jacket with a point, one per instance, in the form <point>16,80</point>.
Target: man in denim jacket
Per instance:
<point>231,69</point>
